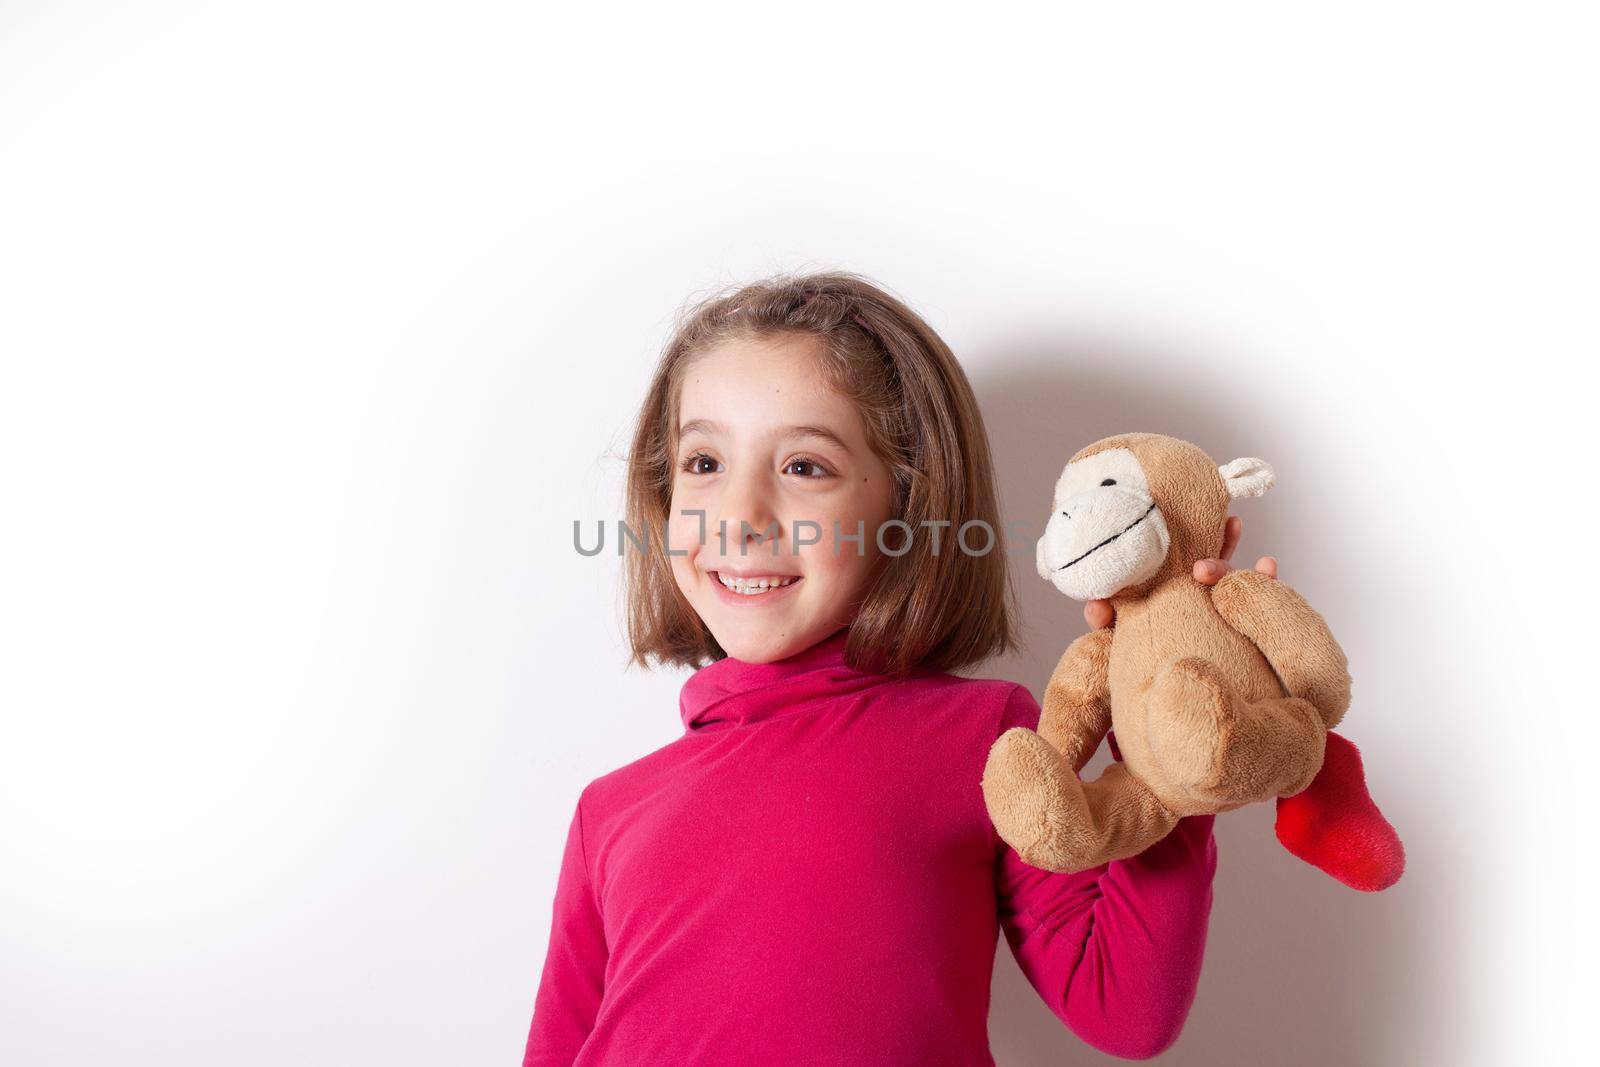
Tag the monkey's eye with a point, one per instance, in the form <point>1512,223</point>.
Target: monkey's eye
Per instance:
<point>1109,481</point>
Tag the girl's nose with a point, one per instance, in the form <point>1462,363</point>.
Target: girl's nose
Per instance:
<point>750,517</point>
<point>757,536</point>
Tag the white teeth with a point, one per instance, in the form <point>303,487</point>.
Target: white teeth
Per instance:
<point>755,586</point>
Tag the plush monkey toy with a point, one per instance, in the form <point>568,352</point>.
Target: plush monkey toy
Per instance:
<point>1219,696</point>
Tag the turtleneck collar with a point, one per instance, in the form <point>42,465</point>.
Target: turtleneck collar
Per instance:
<point>731,692</point>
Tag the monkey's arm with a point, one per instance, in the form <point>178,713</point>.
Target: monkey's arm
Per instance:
<point>1293,637</point>
<point>1076,712</point>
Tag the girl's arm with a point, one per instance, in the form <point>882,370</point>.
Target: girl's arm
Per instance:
<point>574,967</point>
<point>1115,951</point>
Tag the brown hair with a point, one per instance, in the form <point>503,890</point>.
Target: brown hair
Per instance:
<point>923,610</point>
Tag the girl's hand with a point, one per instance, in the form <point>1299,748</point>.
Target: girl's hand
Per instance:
<point>1099,614</point>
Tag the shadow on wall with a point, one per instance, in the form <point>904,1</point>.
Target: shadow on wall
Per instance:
<point>1299,969</point>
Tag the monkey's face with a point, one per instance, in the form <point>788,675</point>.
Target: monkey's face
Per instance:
<point>1106,532</point>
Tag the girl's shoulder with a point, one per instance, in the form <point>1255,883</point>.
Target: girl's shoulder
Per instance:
<point>1007,703</point>
<point>991,702</point>
<point>960,684</point>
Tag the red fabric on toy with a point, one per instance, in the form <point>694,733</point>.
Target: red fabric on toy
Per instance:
<point>1333,824</point>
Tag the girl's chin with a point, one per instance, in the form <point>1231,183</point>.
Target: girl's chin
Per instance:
<point>762,648</point>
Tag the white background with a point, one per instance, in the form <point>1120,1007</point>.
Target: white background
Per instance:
<point>321,323</point>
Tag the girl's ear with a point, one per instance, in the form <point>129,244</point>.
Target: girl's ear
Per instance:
<point>1247,477</point>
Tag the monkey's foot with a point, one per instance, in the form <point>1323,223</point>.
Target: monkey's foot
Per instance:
<point>1228,751</point>
<point>1021,785</point>
<point>1191,722</point>
<point>1056,822</point>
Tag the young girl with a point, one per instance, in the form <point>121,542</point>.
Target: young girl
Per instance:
<point>808,875</point>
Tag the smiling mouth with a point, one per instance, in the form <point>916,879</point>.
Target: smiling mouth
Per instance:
<point>754,586</point>
<point>1112,538</point>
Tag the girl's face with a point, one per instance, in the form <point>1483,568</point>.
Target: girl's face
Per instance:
<point>775,458</point>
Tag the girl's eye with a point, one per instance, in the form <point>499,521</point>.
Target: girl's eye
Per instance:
<point>809,468</point>
<point>700,463</point>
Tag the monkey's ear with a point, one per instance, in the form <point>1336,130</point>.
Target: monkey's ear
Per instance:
<point>1247,477</point>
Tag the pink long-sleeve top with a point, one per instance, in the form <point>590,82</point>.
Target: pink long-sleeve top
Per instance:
<point>809,876</point>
